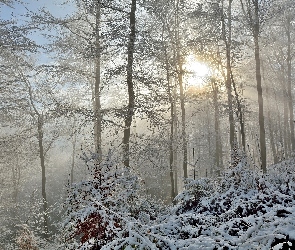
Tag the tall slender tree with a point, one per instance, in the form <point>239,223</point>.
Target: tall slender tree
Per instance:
<point>97,85</point>
<point>131,95</point>
<point>227,38</point>
<point>180,72</point>
<point>218,142</point>
<point>252,12</point>
<point>288,26</point>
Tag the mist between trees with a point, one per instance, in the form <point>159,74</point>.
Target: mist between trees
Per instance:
<point>150,93</point>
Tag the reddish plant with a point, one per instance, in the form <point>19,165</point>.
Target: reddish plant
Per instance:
<point>94,227</point>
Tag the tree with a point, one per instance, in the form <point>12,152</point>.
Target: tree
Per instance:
<point>131,96</point>
<point>97,85</point>
<point>218,142</point>
<point>288,27</point>
<point>180,71</point>
<point>41,115</point>
<point>253,12</point>
<point>227,38</point>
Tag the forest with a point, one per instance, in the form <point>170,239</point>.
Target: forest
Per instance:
<point>147,124</point>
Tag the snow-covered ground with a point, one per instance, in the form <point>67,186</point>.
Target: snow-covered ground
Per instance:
<point>243,209</point>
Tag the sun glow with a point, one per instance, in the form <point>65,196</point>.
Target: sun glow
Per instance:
<point>196,72</point>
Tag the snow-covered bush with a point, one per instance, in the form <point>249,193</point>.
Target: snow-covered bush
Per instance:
<point>194,191</point>
<point>243,209</point>
<point>98,207</point>
<point>246,210</point>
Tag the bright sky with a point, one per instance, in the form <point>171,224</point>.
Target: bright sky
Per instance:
<point>58,8</point>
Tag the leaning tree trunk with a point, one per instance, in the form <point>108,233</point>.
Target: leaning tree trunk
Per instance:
<point>131,95</point>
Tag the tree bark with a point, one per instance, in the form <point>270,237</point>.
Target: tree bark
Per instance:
<point>97,103</point>
<point>131,95</point>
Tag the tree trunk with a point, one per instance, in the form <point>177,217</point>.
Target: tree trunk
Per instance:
<point>259,87</point>
<point>42,161</point>
<point>181,90</point>
<point>175,163</point>
<point>278,129</point>
<point>131,95</point>
<point>271,138</point>
<point>97,103</point>
<point>73,153</point>
<point>227,41</point>
<point>289,80</point>
<point>239,113</point>
<point>286,123</point>
<point>171,139</point>
<point>279,133</point>
<point>40,123</point>
<point>208,126</point>
<point>218,143</point>
<point>286,131</point>
<point>183,124</point>
<point>270,124</point>
<point>171,150</point>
